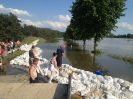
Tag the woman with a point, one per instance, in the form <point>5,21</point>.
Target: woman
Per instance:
<point>53,66</point>
<point>34,71</point>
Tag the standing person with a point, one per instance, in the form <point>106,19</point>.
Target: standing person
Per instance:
<point>32,54</point>
<point>53,66</point>
<point>34,71</point>
<point>14,45</point>
<point>11,46</point>
<point>60,53</point>
<point>18,44</point>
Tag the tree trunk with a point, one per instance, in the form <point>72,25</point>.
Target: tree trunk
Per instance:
<point>95,44</point>
<point>94,58</point>
<point>84,48</point>
<point>84,42</point>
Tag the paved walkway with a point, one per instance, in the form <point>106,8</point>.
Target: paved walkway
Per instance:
<point>32,91</point>
<point>18,87</point>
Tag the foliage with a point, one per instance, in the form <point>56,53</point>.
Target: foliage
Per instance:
<point>10,28</point>
<point>94,19</point>
<point>125,58</point>
<point>97,52</point>
<point>121,36</point>
<point>41,32</point>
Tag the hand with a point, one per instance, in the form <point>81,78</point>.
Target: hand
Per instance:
<point>57,68</point>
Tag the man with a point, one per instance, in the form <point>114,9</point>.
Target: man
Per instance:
<point>60,53</point>
<point>32,54</point>
<point>34,71</point>
<point>18,44</point>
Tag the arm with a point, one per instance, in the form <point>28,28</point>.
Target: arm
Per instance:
<point>62,51</point>
<point>31,72</point>
<point>55,63</point>
<point>34,53</point>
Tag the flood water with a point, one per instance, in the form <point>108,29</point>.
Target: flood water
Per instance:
<point>82,58</point>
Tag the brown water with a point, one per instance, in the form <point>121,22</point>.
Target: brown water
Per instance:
<point>82,58</point>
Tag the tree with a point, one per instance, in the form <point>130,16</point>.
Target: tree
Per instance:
<point>10,27</point>
<point>95,18</point>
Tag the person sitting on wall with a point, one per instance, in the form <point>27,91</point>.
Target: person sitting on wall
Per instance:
<point>34,71</point>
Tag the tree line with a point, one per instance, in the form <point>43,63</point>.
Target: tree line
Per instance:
<point>11,29</point>
<point>94,19</point>
<point>120,36</point>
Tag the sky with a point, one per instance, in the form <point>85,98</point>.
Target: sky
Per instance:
<point>55,14</point>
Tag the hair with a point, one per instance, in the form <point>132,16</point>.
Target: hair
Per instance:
<point>64,45</point>
<point>35,59</point>
<point>54,54</point>
<point>33,46</point>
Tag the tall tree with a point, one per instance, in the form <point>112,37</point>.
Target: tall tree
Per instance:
<point>10,27</point>
<point>95,18</point>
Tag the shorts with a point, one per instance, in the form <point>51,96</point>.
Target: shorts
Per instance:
<point>34,81</point>
<point>59,61</point>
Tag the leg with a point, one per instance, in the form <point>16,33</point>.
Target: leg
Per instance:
<point>51,77</point>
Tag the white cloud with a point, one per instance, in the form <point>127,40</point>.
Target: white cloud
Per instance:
<point>64,18</point>
<point>126,25</point>
<point>62,24</point>
<point>55,24</point>
<point>14,11</point>
<point>28,22</point>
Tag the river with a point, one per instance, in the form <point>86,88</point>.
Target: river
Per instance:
<point>82,58</point>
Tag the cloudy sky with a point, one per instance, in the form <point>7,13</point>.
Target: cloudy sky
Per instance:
<point>54,13</point>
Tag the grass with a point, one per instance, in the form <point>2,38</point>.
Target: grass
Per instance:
<point>30,39</point>
<point>27,40</point>
<point>98,52</point>
<point>121,57</point>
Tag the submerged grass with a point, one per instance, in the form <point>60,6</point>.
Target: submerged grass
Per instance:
<point>121,57</point>
<point>98,52</point>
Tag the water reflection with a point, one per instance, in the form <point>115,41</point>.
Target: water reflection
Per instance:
<point>80,58</point>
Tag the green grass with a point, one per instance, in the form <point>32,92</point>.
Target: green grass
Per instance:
<point>97,52</point>
<point>30,39</point>
<point>16,53</point>
<point>121,57</point>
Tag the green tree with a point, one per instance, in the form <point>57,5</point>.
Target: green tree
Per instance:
<point>95,18</point>
<point>10,27</point>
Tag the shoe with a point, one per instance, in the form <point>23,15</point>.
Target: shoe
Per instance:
<point>49,82</point>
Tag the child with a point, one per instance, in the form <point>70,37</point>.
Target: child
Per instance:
<point>53,66</point>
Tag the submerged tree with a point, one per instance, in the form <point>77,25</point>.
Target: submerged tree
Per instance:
<point>95,18</point>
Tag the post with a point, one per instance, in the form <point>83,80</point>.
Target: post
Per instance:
<point>69,87</point>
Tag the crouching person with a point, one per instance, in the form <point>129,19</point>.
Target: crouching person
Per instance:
<point>34,71</point>
<point>53,67</point>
